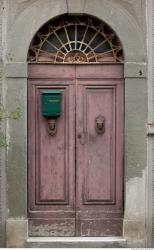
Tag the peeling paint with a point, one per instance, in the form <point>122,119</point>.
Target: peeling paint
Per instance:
<point>63,228</point>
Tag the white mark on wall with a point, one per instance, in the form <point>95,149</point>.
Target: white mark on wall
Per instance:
<point>135,196</point>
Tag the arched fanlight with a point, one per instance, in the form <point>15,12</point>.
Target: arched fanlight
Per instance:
<point>72,39</point>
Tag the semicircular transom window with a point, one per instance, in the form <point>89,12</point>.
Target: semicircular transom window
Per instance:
<point>75,39</point>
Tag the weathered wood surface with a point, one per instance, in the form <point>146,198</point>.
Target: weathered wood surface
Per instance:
<point>100,159</point>
<point>76,177</point>
<point>52,162</point>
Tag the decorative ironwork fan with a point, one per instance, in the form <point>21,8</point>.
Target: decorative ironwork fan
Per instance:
<point>75,39</point>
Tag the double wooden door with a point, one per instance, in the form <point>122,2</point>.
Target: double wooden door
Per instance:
<point>75,177</point>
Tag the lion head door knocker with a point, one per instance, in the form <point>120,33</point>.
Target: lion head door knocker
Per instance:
<point>100,124</point>
<point>52,128</point>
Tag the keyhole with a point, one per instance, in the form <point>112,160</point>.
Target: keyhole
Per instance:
<point>79,135</point>
<point>140,72</point>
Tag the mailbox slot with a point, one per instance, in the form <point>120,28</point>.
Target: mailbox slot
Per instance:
<point>51,103</point>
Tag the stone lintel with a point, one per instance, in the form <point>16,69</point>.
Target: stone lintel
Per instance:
<point>131,70</point>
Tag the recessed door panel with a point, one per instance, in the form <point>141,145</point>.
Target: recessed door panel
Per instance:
<point>52,171</point>
<point>99,170</point>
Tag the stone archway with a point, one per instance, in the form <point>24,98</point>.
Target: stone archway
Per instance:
<point>66,50</point>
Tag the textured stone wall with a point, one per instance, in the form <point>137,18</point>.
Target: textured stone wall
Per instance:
<point>150,176</point>
<point>2,128</point>
<point>1,220</point>
<point>151,109</point>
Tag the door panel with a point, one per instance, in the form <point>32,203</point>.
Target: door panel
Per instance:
<point>52,172</point>
<point>51,160</point>
<point>99,158</point>
<point>98,164</point>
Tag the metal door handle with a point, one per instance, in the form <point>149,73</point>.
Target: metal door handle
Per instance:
<point>82,137</point>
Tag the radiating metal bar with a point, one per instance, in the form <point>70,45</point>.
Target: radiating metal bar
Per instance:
<point>75,36</point>
<point>67,37</point>
<point>52,45</point>
<point>104,41</point>
<point>101,54</point>
<point>59,39</point>
<point>84,36</point>
<point>51,54</point>
<point>92,39</point>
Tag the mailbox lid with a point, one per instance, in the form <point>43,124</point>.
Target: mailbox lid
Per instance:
<point>51,102</point>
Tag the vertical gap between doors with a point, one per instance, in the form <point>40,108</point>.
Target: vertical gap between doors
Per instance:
<point>75,175</point>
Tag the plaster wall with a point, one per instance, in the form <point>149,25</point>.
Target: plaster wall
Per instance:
<point>1,157</point>
<point>127,18</point>
<point>2,126</point>
<point>150,173</point>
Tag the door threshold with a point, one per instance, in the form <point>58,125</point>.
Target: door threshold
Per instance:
<point>76,242</point>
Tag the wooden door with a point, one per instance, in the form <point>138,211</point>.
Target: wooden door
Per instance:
<point>99,178</point>
<point>75,177</point>
<point>51,158</point>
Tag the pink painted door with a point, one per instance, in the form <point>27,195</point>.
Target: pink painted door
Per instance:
<point>51,159</point>
<point>99,170</point>
<point>75,177</point>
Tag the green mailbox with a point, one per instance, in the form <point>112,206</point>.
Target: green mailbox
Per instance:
<point>51,102</point>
